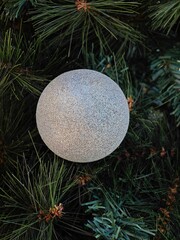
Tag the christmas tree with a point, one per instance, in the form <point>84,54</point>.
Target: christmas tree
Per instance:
<point>133,192</point>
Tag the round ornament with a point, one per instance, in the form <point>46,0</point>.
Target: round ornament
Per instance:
<point>82,115</point>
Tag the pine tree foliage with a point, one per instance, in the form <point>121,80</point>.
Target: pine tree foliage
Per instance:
<point>111,220</point>
<point>113,66</point>
<point>83,22</point>
<point>166,74</point>
<point>39,199</point>
<point>132,193</point>
<point>165,15</point>
<point>15,9</point>
<point>16,119</point>
<point>16,66</point>
<point>140,188</point>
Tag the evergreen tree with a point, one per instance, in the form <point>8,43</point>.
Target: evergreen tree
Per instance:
<point>131,194</point>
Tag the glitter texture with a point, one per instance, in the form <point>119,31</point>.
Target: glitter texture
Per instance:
<point>82,115</point>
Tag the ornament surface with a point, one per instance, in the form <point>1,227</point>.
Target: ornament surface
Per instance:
<point>82,115</point>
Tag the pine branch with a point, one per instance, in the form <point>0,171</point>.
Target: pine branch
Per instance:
<point>137,187</point>
<point>83,22</point>
<point>16,8</point>
<point>16,65</point>
<point>165,16</point>
<point>112,220</point>
<point>39,199</point>
<point>16,119</point>
<point>166,73</point>
<point>113,66</point>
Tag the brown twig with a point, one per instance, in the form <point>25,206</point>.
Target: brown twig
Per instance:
<point>56,211</point>
<point>82,5</point>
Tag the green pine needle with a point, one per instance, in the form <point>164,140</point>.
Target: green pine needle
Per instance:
<point>16,73</point>
<point>166,73</point>
<point>165,15</point>
<point>29,195</point>
<point>62,22</point>
<point>15,8</point>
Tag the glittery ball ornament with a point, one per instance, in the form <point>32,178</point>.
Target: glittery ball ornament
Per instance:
<point>82,115</point>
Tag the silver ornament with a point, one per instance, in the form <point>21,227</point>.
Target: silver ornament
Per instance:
<point>82,115</point>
